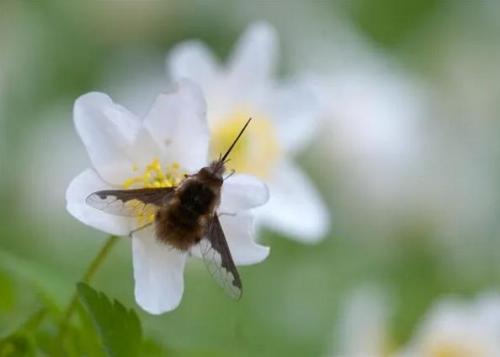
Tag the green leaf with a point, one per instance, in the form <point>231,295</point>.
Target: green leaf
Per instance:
<point>88,334</point>
<point>7,298</point>
<point>21,341</point>
<point>17,345</point>
<point>119,329</point>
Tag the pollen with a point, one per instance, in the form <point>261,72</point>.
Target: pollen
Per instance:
<point>257,151</point>
<point>456,349</point>
<point>153,176</point>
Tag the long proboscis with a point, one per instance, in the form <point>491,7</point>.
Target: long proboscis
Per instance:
<point>224,157</point>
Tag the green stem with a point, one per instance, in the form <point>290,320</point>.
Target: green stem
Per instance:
<point>92,269</point>
<point>35,320</point>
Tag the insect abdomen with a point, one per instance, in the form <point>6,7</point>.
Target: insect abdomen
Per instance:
<point>183,222</point>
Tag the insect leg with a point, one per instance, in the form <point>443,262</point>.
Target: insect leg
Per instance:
<point>226,214</point>
<point>231,174</point>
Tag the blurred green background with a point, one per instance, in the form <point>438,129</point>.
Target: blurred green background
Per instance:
<point>419,225</point>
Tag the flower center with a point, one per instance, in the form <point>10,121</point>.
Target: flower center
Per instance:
<point>450,349</point>
<point>152,177</point>
<point>257,150</point>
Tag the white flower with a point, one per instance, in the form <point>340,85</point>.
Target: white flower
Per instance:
<point>459,328</point>
<point>126,151</point>
<point>285,120</point>
<point>374,113</point>
<point>363,330</point>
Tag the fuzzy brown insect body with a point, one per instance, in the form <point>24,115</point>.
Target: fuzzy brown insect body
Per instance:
<point>183,221</point>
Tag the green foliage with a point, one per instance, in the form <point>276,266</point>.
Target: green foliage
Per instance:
<point>88,335</point>
<point>48,282</point>
<point>387,21</point>
<point>7,298</point>
<point>119,329</point>
<point>17,345</point>
<point>21,341</point>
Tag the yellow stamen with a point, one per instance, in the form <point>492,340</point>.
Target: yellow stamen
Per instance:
<point>152,177</point>
<point>455,349</point>
<point>257,150</point>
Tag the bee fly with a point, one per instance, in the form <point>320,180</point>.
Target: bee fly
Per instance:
<point>184,216</point>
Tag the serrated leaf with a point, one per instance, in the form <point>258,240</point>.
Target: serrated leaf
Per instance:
<point>119,329</point>
<point>88,334</point>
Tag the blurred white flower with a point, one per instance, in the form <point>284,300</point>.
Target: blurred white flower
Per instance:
<point>363,329</point>
<point>172,139</point>
<point>285,120</point>
<point>372,141</point>
<point>458,328</point>
<point>373,110</point>
<point>462,149</point>
<point>374,113</point>
<point>373,106</point>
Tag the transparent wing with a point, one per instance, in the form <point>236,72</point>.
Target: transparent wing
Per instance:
<point>130,203</point>
<point>218,259</point>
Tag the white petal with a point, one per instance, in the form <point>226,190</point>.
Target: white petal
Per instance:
<point>79,189</point>
<point>295,110</point>
<point>295,207</point>
<point>107,130</point>
<point>158,273</point>
<point>239,231</point>
<point>177,122</point>
<point>194,61</point>
<point>241,192</point>
<point>254,58</point>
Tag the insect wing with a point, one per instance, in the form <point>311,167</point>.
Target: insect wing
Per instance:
<point>218,259</point>
<point>130,203</point>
